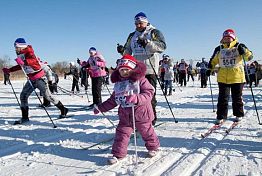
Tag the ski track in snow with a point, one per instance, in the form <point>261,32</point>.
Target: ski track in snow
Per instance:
<point>38,149</point>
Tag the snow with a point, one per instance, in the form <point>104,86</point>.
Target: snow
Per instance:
<point>37,148</point>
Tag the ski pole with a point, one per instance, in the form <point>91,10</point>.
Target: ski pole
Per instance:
<point>95,106</point>
<point>211,94</point>
<point>162,90</point>
<point>38,97</point>
<point>134,128</point>
<point>178,87</point>
<point>76,79</point>
<point>108,89</point>
<point>251,91</point>
<point>86,86</point>
<point>87,94</point>
<point>67,91</point>
<point>14,93</point>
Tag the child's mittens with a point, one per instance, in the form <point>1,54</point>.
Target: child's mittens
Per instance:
<point>131,99</point>
<point>96,110</point>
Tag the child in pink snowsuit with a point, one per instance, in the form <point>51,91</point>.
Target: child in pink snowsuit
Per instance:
<point>131,87</point>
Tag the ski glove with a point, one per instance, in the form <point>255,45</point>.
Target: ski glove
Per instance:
<point>96,110</point>
<point>50,83</point>
<point>131,99</point>
<point>6,70</point>
<point>78,61</point>
<point>19,61</point>
<point>241,49</point>
<point>120,49</point>
<point>208,72</point>
<point>142,41</point>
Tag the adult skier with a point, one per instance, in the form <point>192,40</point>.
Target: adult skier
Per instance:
<point>29,63</point>
<point>75,73</point>
<point>229,57</point>
<point>182,67</point>
<point>145,44</point>
<point>96,66</point>
<point>203,68</point>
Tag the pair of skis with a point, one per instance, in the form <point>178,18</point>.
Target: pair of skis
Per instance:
<point>111,139</point>
<point>217,127</point>
<point>22,122</point>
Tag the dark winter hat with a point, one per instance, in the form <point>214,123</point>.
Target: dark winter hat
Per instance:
<point>20,43</point>
<point>229,33</point>
<point>141,17</point>
<point>92,49</point>
<point>166,57</point>
<point>127,61</point>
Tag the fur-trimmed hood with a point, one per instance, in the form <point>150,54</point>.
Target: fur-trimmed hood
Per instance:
<point>136,74</point>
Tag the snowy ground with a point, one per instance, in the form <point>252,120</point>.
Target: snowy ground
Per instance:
<point>39,149</point>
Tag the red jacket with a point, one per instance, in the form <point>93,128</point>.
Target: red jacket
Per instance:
<point>32,66</point>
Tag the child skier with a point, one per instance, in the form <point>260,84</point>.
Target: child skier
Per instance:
<point>29,63</point>
<point>130,77</point>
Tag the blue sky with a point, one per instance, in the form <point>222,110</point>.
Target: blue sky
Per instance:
<point>63,30</point>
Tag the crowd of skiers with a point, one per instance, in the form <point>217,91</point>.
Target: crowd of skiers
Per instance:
<point>135,80</point>
<point>180,73</point>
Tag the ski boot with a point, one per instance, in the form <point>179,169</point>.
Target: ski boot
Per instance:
<point>63,110</point>
<point>219,121</point>
<point>237,119</point>
<point>24,118</point>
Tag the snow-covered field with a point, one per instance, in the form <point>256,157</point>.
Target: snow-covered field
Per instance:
<point>39,149</point>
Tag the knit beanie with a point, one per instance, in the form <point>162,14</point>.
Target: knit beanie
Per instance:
<point>229,33</point>
<point>20,43</point>
<point>127,61</point>
<point>141,17</point>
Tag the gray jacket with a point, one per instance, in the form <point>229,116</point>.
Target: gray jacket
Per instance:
<point>150,54</point>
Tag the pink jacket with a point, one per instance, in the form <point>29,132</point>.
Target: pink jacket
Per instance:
<point>143,109</point>
<point>143,113</point>
<point>97,66</point>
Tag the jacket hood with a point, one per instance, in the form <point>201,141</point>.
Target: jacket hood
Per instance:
<point>136,74</point>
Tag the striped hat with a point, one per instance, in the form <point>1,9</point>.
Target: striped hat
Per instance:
<point>127,61</point>
<point>229,33</point>
<point>141,17</point>
<point>20,43</point>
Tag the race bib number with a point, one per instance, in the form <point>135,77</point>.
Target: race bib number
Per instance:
<point>203,66</point>
<point>123,89</point>
<point>228,58</point>
<point>182,67</point>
